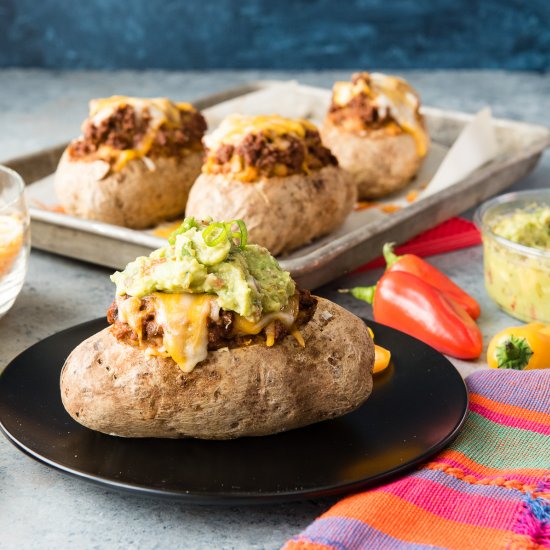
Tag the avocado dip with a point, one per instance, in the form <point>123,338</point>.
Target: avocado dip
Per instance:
<point>519,280</point>
<point>203,257</point>
<point>529,227</point>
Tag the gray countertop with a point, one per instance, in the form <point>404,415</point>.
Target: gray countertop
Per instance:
<point>40,507</point>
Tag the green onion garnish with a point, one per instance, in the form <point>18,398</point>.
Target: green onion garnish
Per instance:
<point>215,233</point>
<point>242,234</point>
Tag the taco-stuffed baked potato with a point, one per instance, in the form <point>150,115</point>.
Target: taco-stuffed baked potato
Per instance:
<point>134,163</point>
<point>212,340</point>
<point>275,174</point>
<point>375,130</point>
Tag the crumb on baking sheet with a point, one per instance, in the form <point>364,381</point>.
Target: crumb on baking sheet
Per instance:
<point>363,205</point>
<point>390,208</point>
<point>412,196</point>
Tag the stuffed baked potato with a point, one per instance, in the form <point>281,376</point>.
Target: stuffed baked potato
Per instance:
<point>134,163</point>
<point>376,131</point>
<point>274,174</point>
<point>213,340</point>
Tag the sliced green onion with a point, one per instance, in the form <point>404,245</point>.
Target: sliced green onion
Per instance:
<point>215,234</point>
<point>242,234</point>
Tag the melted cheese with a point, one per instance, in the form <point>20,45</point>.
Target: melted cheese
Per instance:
<point>389,94</point>
<point>235,127</point>
<point>161,110</point>
<point>244,326</point>
<point>129,312</point>
<point>287,316</point>
<point>270,335</point>
<point>184,320</point>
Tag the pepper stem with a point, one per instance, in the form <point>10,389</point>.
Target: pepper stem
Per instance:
<point>389,255</point>
<point>513,353</point>
<point>365,293</point>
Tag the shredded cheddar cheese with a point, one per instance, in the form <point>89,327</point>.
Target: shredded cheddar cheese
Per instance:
<point>235,127</point>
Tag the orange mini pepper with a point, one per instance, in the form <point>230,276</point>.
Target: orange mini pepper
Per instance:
<point>382,356</point>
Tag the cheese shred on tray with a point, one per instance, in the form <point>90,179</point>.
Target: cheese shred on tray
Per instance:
<point>206,289</point>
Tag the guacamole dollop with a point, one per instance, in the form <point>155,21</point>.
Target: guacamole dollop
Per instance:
<point>213,258</point>
<point>529,227</point>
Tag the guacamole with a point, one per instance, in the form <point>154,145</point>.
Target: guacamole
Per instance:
<point>520,281</point>
<point>529,227</point>
<point>203,257</point>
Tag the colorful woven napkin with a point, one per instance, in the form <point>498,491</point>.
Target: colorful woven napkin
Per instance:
<point>489,489</point>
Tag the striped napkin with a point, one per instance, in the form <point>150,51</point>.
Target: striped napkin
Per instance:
<point>489,489</point>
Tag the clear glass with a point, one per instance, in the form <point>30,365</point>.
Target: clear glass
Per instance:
<point>517,277</point>
<point>14,237</point>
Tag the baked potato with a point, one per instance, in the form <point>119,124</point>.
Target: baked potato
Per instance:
<point>375,130</point>
<point>274,174</point>
<point>255,390</point>
<point>134,164</point>
<point>281,213</point>
<point>211,339</point>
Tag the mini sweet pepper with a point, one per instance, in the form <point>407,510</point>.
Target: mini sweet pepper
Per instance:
<point>417,266</point>
<point>412,305</point>
<point>520,348</point>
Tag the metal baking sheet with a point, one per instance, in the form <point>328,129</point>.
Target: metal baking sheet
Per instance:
<point>358,240</point>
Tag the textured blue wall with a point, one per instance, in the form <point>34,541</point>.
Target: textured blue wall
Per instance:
<point>283,34</point>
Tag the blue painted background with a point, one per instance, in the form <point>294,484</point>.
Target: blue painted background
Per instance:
<point>283,34</point>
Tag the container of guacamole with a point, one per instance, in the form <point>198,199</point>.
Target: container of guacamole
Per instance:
<point>516,253</point>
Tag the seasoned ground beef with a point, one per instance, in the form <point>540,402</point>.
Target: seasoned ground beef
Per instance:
<point>170,142</point>
<point>267,158</point>
<point>359,113</point>
<point>259,155</point>
<point>124,129</point>
<point>258,151</point>
<point>318,154</point>
<point>360,109</point>
<point>220,332</point>
<point>224,153</point>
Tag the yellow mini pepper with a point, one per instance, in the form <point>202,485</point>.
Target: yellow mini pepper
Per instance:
<point>520,348</point>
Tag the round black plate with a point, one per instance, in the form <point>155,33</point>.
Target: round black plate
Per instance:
<point>416,408</point>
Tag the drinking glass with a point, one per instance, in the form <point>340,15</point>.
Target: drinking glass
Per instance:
<point>14,237</point>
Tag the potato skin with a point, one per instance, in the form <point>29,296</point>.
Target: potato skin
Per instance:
<point>281,213</point>
<point>117,389</point>
<point>379,163</point>
<point>135,197</point>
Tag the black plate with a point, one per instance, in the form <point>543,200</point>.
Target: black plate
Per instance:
<point>417,407</point>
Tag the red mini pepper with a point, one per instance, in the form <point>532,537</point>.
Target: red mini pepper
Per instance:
<point>414,265</point>
<point>412,305</point>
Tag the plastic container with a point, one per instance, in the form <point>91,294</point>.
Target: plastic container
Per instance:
<point>517,277</point>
